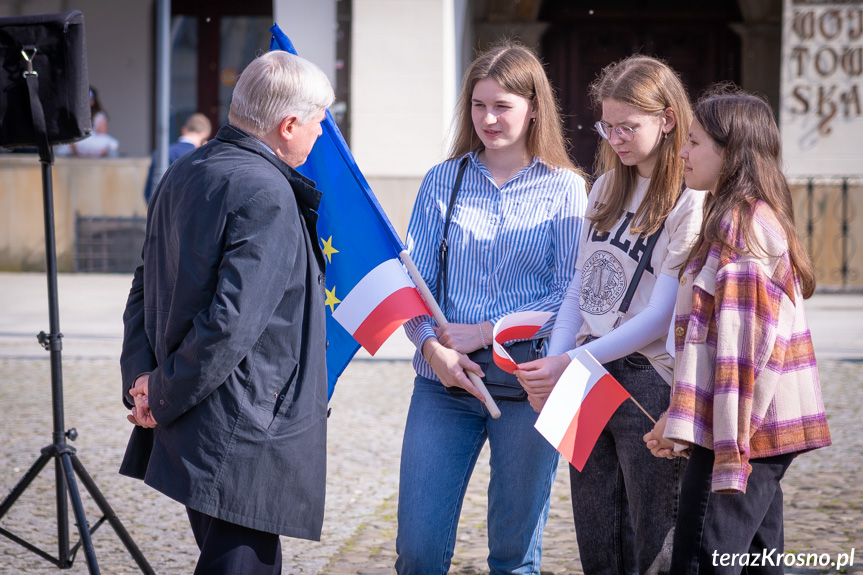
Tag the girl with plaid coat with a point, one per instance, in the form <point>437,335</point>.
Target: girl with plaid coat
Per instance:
<point>746,397</point>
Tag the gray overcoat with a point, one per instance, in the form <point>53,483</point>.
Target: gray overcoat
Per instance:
<point>227,315</point>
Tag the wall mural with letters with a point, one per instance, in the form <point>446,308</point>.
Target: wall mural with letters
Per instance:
<point>822,87</point>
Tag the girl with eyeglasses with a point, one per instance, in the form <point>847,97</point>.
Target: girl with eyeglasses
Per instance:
<point>624,500</point>
<point>746,397</point>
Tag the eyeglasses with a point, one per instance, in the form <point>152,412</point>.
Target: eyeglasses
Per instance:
<point>625,133</point>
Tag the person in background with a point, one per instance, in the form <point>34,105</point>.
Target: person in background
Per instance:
<point>624,501</point>
<point>746,397</point>
<point>193,134</point>
<point>99,144</point>
<point>513,235</point>
<point>96,108</point>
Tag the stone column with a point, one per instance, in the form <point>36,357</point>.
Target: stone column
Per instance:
<point>761,47</point>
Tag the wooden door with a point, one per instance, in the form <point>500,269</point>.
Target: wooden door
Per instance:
<point>211,43</point>
<point>697,42</point>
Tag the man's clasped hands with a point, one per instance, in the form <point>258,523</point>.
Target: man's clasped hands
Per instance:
<point>141,414</point>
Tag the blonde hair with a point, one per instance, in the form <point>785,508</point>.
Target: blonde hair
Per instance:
<point>519,72</point>
<point>275,86</point>
<point>650,86</point>
<point>199,124</point>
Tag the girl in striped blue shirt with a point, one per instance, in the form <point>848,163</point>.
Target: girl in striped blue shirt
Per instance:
<point>513,240</point>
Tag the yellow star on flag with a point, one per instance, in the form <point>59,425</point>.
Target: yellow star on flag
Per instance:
<point>329,250</point>
<point>331,299</point>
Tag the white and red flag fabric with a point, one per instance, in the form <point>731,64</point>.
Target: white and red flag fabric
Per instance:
<point>382,300</point>
<point>520,325</point>
<point>579,407</point>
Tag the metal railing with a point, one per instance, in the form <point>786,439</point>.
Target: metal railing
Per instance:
<point>823,197</point>
<point>108,244</point>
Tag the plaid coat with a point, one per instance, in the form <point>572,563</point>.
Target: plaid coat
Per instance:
<point>745,378</point>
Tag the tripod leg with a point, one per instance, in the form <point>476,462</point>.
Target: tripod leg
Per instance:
<point>112,518</point>
<point>22,485</point>
<point>64,554</point>
<point>80,518</point>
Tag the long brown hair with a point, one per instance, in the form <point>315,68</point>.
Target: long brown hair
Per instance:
<point>742,125</point>
<point>651,86</point>
<point>519,72</point>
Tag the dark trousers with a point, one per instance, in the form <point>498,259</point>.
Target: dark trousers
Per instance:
<point>729,534</point>
<point>230,549</point>
<point>624,501</point>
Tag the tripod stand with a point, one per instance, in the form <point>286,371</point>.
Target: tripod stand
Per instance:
<point>66,462</point>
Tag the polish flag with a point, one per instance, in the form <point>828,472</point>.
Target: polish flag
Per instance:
<point>381,302</point>
<point>579,407</point>
<point>520,325</point>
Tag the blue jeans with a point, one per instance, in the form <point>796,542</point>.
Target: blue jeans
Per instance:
<point>624,501</point>
<point>443,438</point>
<point>714,526</point>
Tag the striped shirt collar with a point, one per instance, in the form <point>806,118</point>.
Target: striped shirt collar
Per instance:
<point>474,158</point>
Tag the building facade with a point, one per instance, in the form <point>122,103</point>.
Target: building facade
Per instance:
<point>397,64</point>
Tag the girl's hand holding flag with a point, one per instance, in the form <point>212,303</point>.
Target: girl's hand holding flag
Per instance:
<point>657,444</point>
<point>450,365</point>
<point>539,377</point>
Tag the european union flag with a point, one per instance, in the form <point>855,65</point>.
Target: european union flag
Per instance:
<point>369,294</point>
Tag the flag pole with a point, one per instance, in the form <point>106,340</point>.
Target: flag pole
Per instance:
<point>441,320</point>
<point>642,409</point>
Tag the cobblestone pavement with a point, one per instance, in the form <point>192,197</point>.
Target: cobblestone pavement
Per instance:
<point>823,490</point>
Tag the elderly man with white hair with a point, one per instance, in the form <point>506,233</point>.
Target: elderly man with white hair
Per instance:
<point>223,360</point>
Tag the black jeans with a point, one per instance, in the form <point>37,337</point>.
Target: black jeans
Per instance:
<point>730,534</point>
<point>625,499</point>
<point>230,549</point>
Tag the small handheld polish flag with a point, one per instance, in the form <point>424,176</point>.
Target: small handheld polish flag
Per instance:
<point>519,325</point>
<point>579,407</point>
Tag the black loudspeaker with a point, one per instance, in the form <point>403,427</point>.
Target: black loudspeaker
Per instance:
<point>44,100</point>
<point>51,46</point>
